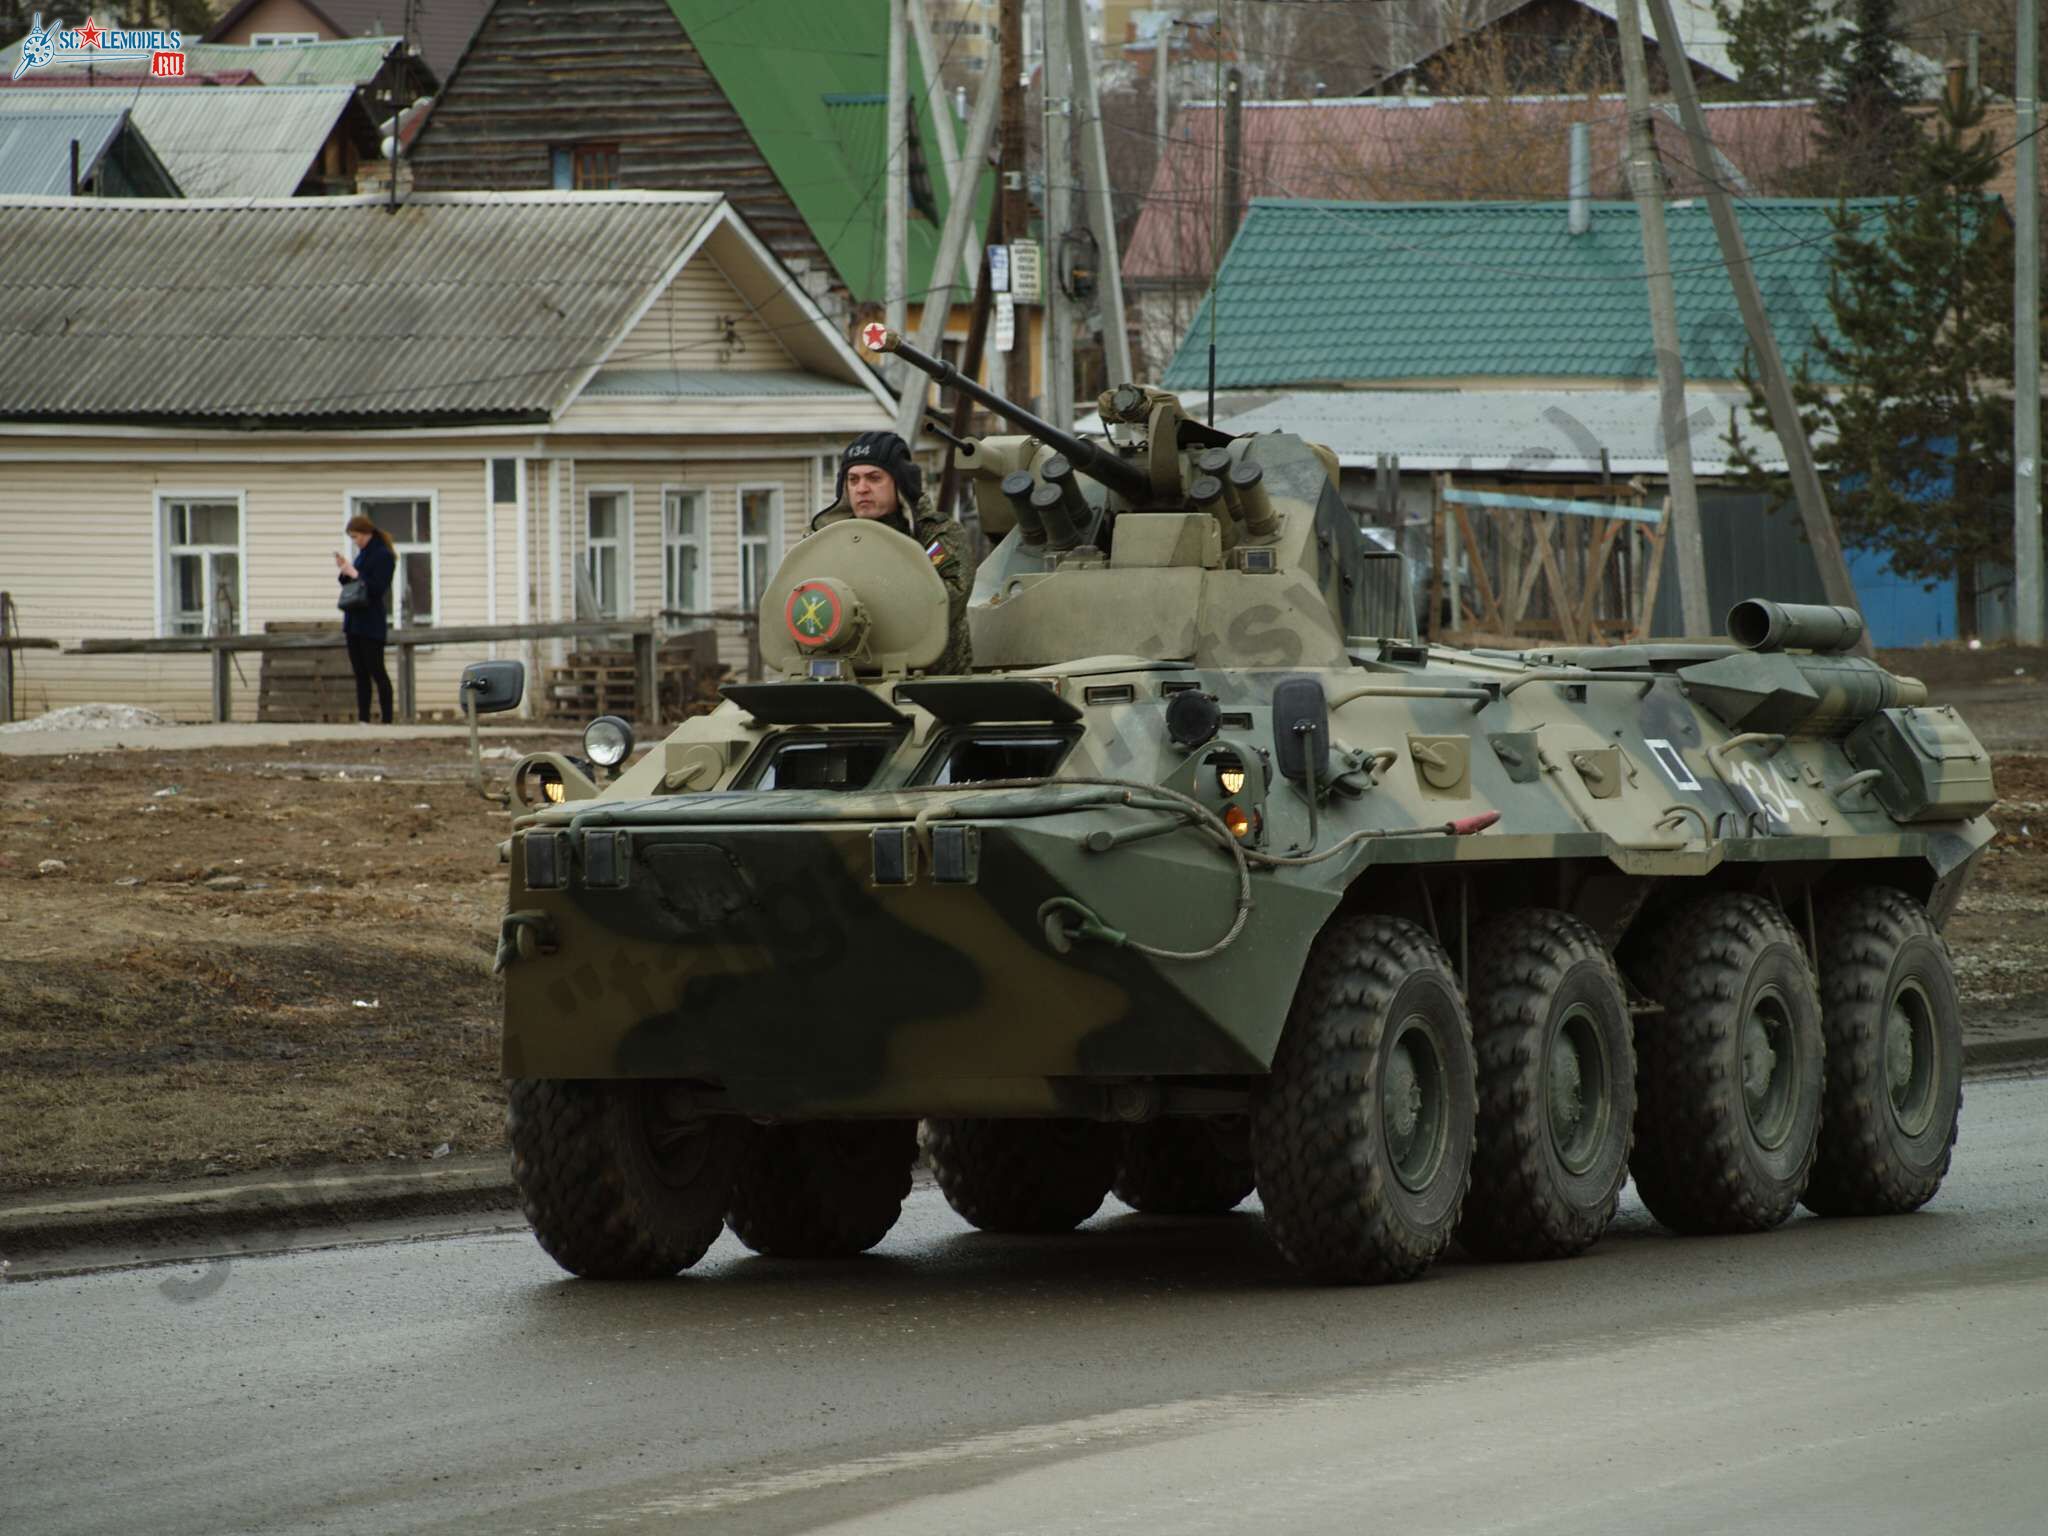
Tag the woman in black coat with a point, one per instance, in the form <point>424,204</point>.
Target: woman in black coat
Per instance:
<point>364,625</point>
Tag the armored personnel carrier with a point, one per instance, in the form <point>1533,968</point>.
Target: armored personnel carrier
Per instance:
<point>1193,888</point>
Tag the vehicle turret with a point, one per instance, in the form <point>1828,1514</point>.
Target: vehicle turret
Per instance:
<point>1170,540</point>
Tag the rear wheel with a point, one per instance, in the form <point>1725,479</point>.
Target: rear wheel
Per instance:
<point>1557,1091</point>
<point>1021,1175</point>
<point>1895,1057</point>
<point>824,1189</point>
<point>1194,1166</point>
<point>1730,1074</point>
<point>621,1180</point>
<point>1362,1132</point>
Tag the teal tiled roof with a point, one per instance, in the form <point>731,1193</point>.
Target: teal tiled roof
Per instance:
<point>1341,292</point>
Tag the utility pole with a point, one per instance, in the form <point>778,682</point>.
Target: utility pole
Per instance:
<point>1814,518</point>
<point>1646,182</point>
<point>931,324</point>
<point>943,138</point>
<point>1162,97</point>
<point>1230,102</point>
<point>1101,212</point>
<point>1059,215</point>
<point>1011,149</point>
<point>896,189</point>
<point>2030,625</point>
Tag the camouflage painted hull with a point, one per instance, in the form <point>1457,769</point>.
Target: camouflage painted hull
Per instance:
<point>749,940</point>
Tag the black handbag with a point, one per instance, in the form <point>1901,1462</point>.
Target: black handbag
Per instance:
<point>355,596</point>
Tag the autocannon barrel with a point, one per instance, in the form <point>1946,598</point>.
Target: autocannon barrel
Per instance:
<point>1127,480</point>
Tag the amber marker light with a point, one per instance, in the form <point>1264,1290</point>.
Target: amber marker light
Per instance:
<point>1238,820</point>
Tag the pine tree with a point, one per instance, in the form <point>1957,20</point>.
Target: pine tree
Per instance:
<point>1776,46</point>
<point>1866,145</point>
<point>1918,426</point>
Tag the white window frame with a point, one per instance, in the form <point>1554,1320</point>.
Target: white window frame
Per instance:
<point>161,539</point>
<point>701,542</point>
<point>774,540</point>
<point>622,541</point>
<point>282,39</point>
<point>400,619</point>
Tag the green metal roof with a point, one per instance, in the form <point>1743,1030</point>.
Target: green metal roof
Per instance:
<point>1339,292</point>
<point>810,91</point>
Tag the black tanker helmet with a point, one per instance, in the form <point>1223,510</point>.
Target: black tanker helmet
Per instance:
<point>889,453</point>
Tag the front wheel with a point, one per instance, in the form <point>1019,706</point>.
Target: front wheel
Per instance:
<point>1895,1057</point>
<point>1362,1132</point>
<point>622,1180</point>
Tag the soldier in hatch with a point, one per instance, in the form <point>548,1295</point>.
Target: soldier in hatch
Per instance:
<point>879,479</point>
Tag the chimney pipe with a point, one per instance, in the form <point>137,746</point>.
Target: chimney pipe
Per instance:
<point>1581,179</point>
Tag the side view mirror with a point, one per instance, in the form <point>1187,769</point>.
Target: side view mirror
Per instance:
<point>1301,730</point>
<point>494,686</point>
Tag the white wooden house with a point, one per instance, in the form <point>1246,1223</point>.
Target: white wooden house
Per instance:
<point>519,387</point>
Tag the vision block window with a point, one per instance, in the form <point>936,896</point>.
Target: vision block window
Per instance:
<point>842,762</point>
<point>977,759</point>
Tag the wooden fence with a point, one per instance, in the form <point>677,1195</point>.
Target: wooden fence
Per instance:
<point>1576,571</point>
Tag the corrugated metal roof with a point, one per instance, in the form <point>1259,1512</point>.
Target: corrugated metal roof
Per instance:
<point>715,383</point>
<point>352,61</point>
<point>1492,431</point>
<point>252,141</point>
<point>1347,292</point>
<point>467,305</point>
<point>35,148</point>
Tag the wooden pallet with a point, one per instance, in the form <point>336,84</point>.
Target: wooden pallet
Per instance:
<point>604,682</point>
<point>298,686</point>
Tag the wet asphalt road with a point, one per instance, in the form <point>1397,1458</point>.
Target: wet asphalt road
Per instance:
<point>1141,1374</point>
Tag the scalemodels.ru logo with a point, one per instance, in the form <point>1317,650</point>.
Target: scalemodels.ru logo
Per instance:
<point>58,44</point>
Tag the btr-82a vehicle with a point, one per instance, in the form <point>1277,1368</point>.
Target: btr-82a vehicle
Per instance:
<point>1192,889</point>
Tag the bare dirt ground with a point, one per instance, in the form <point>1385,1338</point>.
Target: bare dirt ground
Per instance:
<point>275,956</point>
<point>249,957</point>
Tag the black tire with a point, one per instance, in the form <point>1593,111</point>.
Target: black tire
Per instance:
<point>1557,1090</point>
<point>1021,1175</point>
<point>620,1181</point>
<point>822,1190</point>
<point>1362,1133</point>
<point>1730,1074</point>
<point>1895,1057</point>
<point>1197,1166</point>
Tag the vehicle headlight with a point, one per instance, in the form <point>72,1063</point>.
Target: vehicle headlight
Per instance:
<point>608,741</point>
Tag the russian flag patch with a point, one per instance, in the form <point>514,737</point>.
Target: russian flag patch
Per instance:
<point>935,552</point>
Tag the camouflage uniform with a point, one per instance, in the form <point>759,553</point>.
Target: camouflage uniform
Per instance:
<point>953,562</point>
